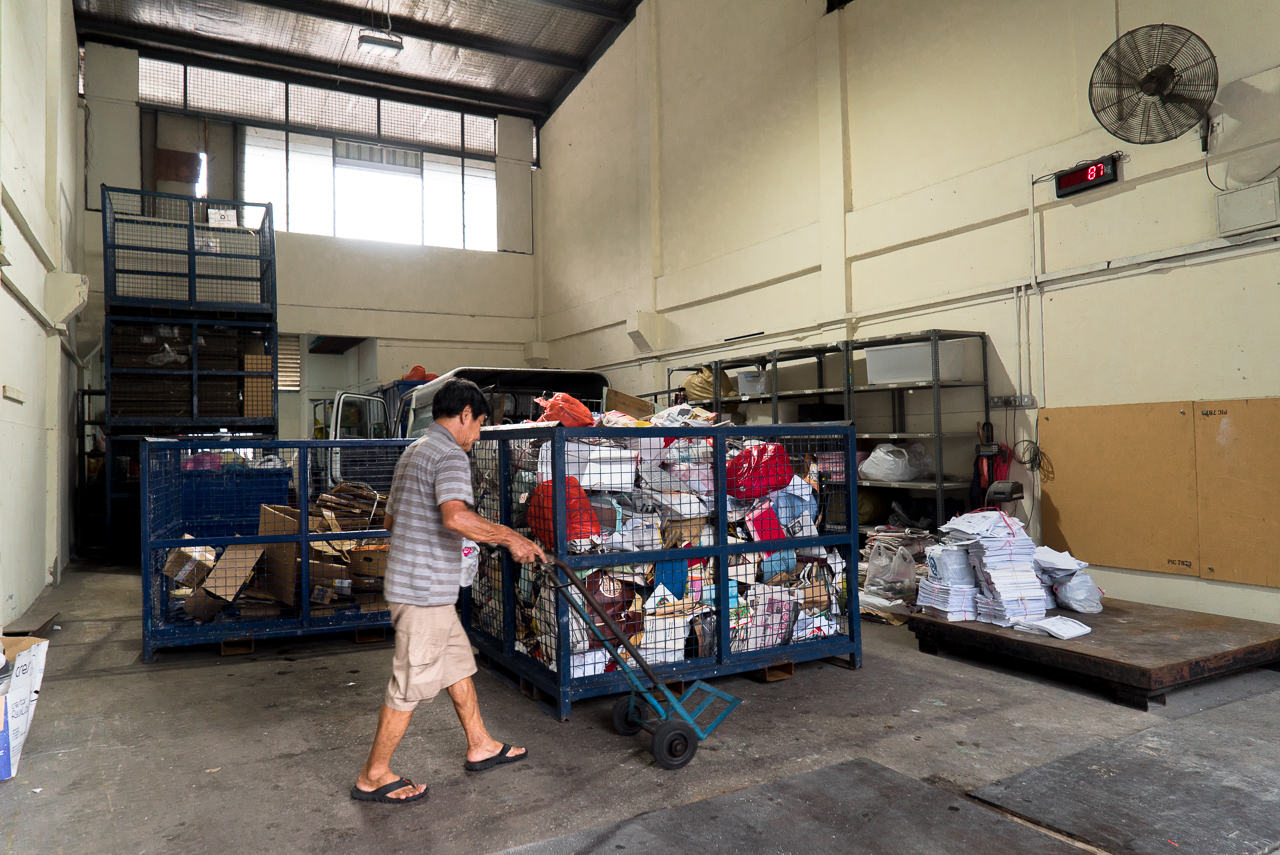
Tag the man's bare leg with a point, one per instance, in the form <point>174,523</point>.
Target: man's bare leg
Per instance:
<point>480,745</point>
<point>392,725</point>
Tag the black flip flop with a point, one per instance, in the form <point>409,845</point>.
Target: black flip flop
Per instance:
<point>382,794</point>
<point>500,759</point>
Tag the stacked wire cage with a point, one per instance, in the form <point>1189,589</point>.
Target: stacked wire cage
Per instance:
<point>718,550</point>
<point>190,339</point>
<point>226,556</point>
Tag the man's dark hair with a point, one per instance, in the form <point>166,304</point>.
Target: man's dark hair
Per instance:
<point>455,396</point>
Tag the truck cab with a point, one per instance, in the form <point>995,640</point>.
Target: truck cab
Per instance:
<point>511,393</point>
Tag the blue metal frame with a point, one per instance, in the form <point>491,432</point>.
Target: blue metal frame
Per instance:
<point>265,256</point>
<point>555,690</point>
<point>160,634</point>
<point>267,425</point>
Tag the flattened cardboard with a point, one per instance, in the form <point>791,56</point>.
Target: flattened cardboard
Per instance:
<point>18,704</point>
<point>233,570</point>
<point>280,566</point>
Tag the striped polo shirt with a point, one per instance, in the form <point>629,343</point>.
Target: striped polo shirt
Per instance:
<point>424,564</point>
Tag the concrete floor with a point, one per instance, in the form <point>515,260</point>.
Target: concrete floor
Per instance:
<point>199,753</point>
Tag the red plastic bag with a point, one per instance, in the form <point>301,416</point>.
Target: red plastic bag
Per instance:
<point>417,372</point>
<point>583,522</point>
<point>758,470</point>
<point>565,409</point>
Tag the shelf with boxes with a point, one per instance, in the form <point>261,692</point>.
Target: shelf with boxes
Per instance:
<point>190,373</point>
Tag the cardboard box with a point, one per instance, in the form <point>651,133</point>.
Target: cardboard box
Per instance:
<point>189,565</point>
<point>369,560</point>
<point>201,605</point>
<point>259,392</point>
<point>322,595</point>
<point>18,699</point>
<point>326,573</point>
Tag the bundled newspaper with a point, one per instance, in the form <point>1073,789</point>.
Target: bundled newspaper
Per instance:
<point>1003,556</point>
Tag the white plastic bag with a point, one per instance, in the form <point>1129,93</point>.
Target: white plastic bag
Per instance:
<point>470,562</point>
<point>1079,594</point>
<point>890,574</point>
<point>887,462</point>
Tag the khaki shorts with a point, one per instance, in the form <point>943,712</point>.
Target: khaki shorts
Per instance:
<point>432,653</point>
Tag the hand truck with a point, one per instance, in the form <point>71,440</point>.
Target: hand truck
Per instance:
<point>656,709</point>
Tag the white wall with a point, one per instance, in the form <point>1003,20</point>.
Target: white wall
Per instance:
<point>431,306</point>
<point>40,179</point>
<point>863,173</point>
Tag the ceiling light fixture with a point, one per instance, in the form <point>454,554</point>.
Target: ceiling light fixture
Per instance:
<point>380,42</point>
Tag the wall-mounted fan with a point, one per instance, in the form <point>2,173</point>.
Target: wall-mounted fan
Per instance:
<point>1154,84</point>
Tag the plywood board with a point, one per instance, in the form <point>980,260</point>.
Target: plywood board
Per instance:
<point>1123,491</point>
<point>637,408</point>
<point>1238,472</point>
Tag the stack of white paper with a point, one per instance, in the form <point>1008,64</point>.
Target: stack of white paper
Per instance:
<point>949,602</point>
<point>1050,601</point>
<point>1057,626</point>
<point>1053,567</point>
<point>1006,566</point>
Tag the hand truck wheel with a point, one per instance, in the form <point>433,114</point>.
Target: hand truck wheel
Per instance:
<point>674,744</point>
<point>622,722</point>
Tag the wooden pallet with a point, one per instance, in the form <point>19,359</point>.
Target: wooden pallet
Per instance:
<point>1136,651</point>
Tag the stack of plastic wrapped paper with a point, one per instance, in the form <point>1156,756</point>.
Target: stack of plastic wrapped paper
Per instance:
<point>949,591</point>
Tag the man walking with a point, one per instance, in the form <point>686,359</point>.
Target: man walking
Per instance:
<point>429,512</point>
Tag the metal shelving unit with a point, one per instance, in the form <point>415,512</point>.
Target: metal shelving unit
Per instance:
<point>770,362</point>
<point>939,484</point>
<point>850,392</point>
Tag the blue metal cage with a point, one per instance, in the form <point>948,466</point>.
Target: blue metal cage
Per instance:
<point>162,250</point>
<point>528,639</point>
<point>225,554</point>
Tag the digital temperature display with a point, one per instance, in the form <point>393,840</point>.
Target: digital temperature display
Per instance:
<point>1093,174</point>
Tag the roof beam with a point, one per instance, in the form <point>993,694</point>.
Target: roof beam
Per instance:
<point>131,36</point>
<point>605,43</point>
<point>357,17</point>
<point>587,8</point>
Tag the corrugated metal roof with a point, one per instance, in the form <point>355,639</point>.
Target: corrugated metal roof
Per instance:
<point>519,56</point>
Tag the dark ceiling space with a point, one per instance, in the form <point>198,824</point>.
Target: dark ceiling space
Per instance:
<point>521,57</point>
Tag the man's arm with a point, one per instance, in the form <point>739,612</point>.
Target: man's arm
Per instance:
<point>386,521</point>
<point>460,519</point>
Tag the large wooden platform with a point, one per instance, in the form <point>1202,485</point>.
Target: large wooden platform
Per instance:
<point>1138,652</point>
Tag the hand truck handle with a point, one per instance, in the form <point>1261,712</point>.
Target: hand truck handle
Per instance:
<point>609,623</point>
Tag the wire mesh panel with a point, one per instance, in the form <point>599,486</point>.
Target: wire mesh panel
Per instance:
<point>226,551</point>
<point>714,549</point>
<point>154,367</point>
<point>182,252</point>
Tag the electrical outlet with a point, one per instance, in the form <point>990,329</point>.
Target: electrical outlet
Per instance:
<point>1012,402</point>
<point>1215,125</point>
